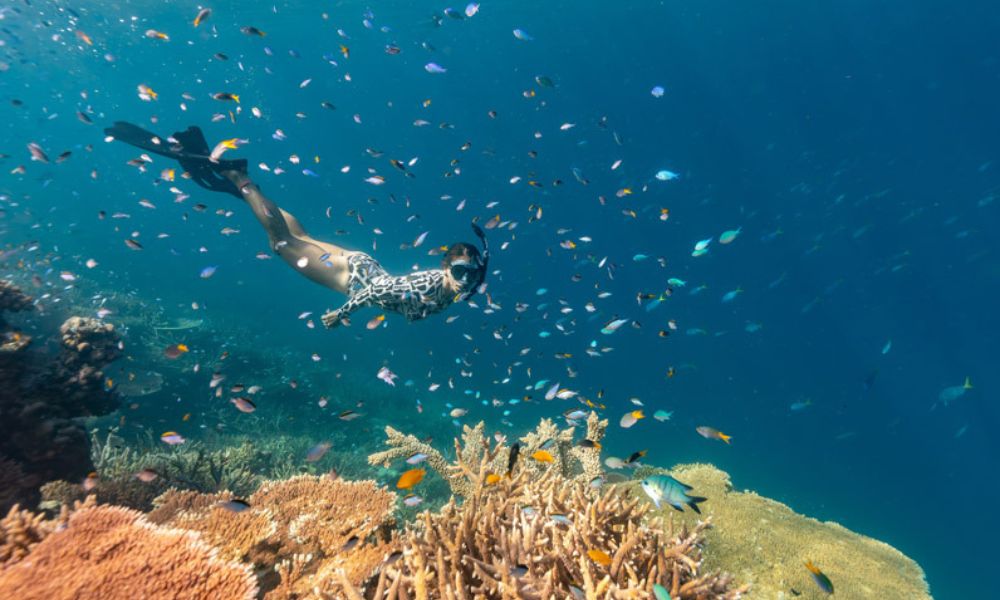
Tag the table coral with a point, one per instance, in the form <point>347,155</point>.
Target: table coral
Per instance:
<point>113,553</point>
<point>765,543</point>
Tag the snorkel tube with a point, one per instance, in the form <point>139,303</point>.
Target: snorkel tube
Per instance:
<point>483,267</point>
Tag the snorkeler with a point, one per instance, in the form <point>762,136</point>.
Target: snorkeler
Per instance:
<point>356,274</point>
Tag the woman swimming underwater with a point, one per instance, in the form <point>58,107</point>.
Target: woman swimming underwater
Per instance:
<point>356,274</point>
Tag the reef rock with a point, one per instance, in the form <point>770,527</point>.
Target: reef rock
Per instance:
<point>43,395</point>
<point>765,543</point>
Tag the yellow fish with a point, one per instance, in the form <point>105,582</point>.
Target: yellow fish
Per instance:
<point>543,456</point>
<point>410,478</point>
<point>599,557</point>
<point>492,479</point>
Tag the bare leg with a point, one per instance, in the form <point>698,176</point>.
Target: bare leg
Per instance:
<point>290,241</point>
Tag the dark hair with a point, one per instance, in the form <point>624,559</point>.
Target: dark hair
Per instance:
<point>460,250</point>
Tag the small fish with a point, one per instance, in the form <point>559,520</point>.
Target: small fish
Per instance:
<point>820,578</point>
<point>663,415</point>
<point>175,350</point>
<point>434,68</point>
<point>728,237</point>
<point>710,433</point>
<point>635,456</point>
<point>348,415</point>
<point>523,35</point>
<point>244,404</point>
<point>515,450</point>
<point>37,153</point>
<point>458,412</point>
<point>665,175</point>
<point>586,443</point>
<point>410,478</point>
<point>147,475</point>
<point>613,326</point>
<point>202,15</point>
<point>600,557</point>
<point>375,322</point>
<point>657,91</point>
<point>172,438</point>
<point>492,479</point>
<point>412,500</point>
<point>317,452</point>
<point>223,146</point>
<point>134,245</point>
<point>954,392</point>
<point>207,272</point>
<point>661,592</point>
<point>631,418</point>
<point>248,30</point>
<point>152,33</point>
<point>800,406</point>
<point>543,456</point>
<point>416,458</point>
<point>664,488</point>
<point>224,96</point>
<point>90,481</point>
<point>235,505</point>
<point>387,376</point>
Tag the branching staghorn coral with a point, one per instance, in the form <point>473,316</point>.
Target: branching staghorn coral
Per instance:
<point>21,530</point>
<point>128,557</point>
<point>571,461</point>
<point>542,538</point>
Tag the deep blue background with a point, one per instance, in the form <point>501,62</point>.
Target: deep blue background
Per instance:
<point>866,133</point>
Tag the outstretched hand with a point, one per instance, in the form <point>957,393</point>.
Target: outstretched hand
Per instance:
<point>331,318</point>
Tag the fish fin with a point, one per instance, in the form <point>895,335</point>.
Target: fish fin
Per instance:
<point>693,503</point>
<point>968,383</point>
<point>725,438</point>
<point>677,508</point>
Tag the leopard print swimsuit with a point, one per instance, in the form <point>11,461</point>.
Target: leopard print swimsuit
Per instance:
<point>414,295</point>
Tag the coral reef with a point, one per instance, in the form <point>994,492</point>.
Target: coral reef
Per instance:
<point>765,543</point>
<point>544,536</point>
<point>42,396</point>
<point>571,461</point>
<point>22,530</point>
<point>126,557</point>
<point>336,524</point>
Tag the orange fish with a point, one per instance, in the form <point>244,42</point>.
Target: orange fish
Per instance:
<point>492,479</point>
<point>599,557</point>
<point>543,456</point>
<point>345,51</point>
<point>410,478</point>
<point>84,38</point>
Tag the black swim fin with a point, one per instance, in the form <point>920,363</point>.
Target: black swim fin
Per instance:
<point>187,147</point>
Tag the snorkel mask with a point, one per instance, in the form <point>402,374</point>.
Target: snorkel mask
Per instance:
<point>472,273</point>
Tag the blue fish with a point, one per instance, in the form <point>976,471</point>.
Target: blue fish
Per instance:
<point>664,488</point>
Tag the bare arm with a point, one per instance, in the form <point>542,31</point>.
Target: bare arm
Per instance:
<point>362,298</point>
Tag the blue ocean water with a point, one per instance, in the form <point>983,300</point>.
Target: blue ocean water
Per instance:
<point>852,145</point>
